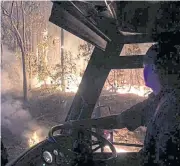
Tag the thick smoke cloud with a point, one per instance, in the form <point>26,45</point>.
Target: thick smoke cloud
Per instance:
<point>14,116</point>
<point>11,76</point>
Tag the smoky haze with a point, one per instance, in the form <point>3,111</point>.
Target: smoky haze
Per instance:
<point>14,116</point>
<point>11,76</point>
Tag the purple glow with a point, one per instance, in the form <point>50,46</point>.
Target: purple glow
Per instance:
<point>151,79</point>
<point>146,73</point>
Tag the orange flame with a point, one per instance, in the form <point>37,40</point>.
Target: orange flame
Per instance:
<point>34,140</point>
<point>119,150</point>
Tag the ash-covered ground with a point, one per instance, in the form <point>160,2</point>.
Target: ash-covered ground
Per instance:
<point>45,109</point>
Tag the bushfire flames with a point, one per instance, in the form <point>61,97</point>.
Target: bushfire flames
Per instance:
<point>140,91</point>
<point>72,83</point>
<point>73,87</point>
<point>119,150</point>
<point>34,139</point>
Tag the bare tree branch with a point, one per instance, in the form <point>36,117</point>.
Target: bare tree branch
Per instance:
<point>17,14</point>
<point>5,12</point>
<point>12,8</point>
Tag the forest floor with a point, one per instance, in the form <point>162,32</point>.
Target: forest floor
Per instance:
<point>49,108</point>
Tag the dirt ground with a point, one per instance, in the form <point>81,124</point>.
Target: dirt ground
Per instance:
<point>49,108</point>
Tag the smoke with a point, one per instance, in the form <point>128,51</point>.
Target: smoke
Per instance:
<point>11,76</point>
<point>14,116</point>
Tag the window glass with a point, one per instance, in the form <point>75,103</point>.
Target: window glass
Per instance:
<point>122,90</point>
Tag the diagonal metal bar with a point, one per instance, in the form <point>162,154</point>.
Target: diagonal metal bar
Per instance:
<point>92,82</point>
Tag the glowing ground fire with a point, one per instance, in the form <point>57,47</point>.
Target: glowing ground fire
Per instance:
<point>35,139</point>
<point>73,81</point>
<point>140,91</point>
<point>119,150</point>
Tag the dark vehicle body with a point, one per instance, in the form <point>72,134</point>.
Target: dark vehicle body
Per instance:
<point>4,155</point>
